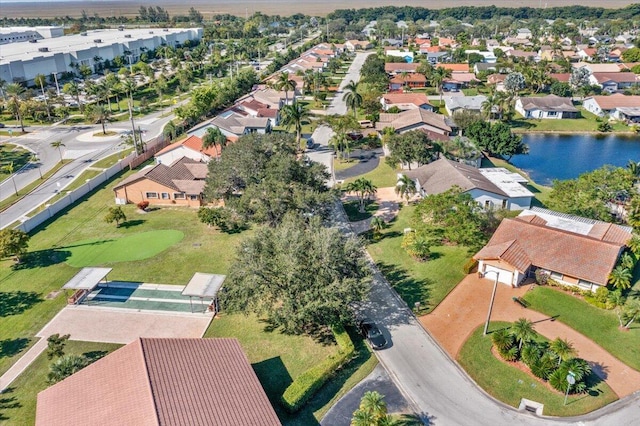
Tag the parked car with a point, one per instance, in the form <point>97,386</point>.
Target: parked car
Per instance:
<point>372,333</point>
<point>355,136</point>
<point>310,143</point>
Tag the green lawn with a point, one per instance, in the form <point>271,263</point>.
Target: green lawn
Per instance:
<point>586,123</point>
<point>279,358</point>
<point>10,153</point>
<point>425,282</point>
<point>540,192</point>
<point>509,385</point>
<point>18,403</point>
<point>339,165</point>
<point>599,325</point>
<point>352,208</point>
<point>132,247</point>
<point>4,204</point>
<point>24,308</point>
<point>382,176</point>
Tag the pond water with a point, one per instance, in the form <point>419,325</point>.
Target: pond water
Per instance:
<point>555,156</point>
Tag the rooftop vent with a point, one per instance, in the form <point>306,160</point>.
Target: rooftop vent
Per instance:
<point>33,40</point>
<point>150,32</point>
<point>127,36</point>
<point>83,34</point>
<point>43,49</point>
<point>120,28</point>
<point>97,40</point>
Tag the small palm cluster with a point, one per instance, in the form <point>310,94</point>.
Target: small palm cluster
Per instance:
<point>417,246</point>
<point>622,274</point>
<point>549,361</point>
<point>372,411</point>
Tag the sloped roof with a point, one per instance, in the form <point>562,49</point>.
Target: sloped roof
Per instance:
<point>162,382</point>
<point>397,67</point>
<point>412,77</point>
<point>615,101</point>
<point>194,143</point>
<point>412,118</point>
<point>184,169</point>
<point>562,77</point>
<point>406,98</point>
<point>618,77</point>
<point>548,103</point>
<point>569,253</point>
<point>442,174</point>
<point>455,67</point>
<point>465,102</point>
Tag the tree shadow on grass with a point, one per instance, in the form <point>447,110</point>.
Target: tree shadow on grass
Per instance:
<point>16,302</point>
<point>319,334</point>
<point>93,356</point>
<point>42,259</point>
<point>410,290</point>
<point>12,347</point>
<point>592,381</point>
<point>7,402</point>
<point>131,223</point>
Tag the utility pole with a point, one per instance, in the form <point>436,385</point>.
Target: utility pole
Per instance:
<point>133,127</point>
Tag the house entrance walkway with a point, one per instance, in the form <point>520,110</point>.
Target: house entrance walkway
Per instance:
<point>465,308</point>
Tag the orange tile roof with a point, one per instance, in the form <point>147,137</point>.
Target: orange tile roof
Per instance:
<point>523,241</point>
<point>154,382</point>
<point>413,77</point>
<point>430,49</point>
<point>455,67</point>
<point>406,98</point>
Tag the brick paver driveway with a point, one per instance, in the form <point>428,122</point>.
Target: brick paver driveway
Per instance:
<point>465,308</point>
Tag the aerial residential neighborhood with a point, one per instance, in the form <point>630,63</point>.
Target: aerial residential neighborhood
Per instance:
<point>308,214</point>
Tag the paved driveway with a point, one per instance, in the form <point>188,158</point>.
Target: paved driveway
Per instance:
<point>465,308</point>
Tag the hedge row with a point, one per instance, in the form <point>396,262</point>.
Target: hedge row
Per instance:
<point>308,383</point>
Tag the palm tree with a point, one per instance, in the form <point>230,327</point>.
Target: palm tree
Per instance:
<point>620,277</point>
<point>9,169</point>
<point>129,87</point>
<point>212,137</point>
<point>373,412</point>
<point>100,114</point>
<point>3,85</point>
<point>294,115</point>
<point>41,80</point>
<point>523,331</point>
<point>15,92</point>
<point>438,76</point>
<point>563,349</point>
<point>65,366</point>
<point>58,145</point>
<point>502,340</point>
<point>406,187</point>
<point>631,311</point>
<point>352,98</point>
<point>72,89</point>
<point>363,188</point>
<point>169,130</point>
<point>634,168</point>
<point>377,224</point>
<point>489,106</point>
<point>286,84</point>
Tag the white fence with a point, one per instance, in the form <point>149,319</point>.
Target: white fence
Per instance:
<point>73,196</point>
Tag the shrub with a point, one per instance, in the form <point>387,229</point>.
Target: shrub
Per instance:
<point>531,353</point>
<point>544,367</point>
<point>308,383</point>
<point>511,354</point>
<point>542,277</point>
<point>580,369</point>
<point>470,266</point>
<point>502,340</point>
<point>143,205</point>
<point>417,247</point>
<point>599,298</point>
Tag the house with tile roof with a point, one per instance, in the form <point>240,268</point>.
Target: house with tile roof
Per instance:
<point>411,80</point>
<point>546,107</point>
<point>491,188</point>
<point>180,183</point>
<point>455,104</point>
<point>353,45</point>
<point>405,101</point>
<point>233,124</point>
<point>617,106</point>
<point>572,250</point>
<point>394,68</point>
<point>155,381</point>
<point>415,119</point>
<point>612,82</point>
<point>190,147</point>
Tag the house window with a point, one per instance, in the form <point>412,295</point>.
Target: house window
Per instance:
<point>552,113</point>
<point>504,204</point>
<point>151,195</point>
<point>585,284</point>
<point>556,275</point>
<point>178,195</point>
<point>487,205</point>
<point>165,195</point>
<point>193,197</point>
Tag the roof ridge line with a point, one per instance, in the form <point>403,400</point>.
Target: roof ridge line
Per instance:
<point>564,231</point>
<point>149,387</point>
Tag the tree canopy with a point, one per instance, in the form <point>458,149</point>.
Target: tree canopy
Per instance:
<point>13,242</point>
<point>300,275</point>
<point>411,147</point>
<point>496,139</point>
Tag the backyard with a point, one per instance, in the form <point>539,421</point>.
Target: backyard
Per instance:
<point>588,122</point>
<point>599,325</point>
<point>426,282</point>
<point>509,384</point>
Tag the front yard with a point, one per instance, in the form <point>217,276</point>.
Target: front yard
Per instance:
<point>426,282</point>
<point>599,325</point>
<point>509,384</point>
<point>586,123</point>
<point>383,176</point>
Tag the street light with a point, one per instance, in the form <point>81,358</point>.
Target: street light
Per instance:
<point>493,296</point>
<point>34,158</point>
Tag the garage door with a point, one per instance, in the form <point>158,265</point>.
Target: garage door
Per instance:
<point>504,276</point>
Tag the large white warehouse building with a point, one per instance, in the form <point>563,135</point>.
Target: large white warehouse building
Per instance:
<point>22,61</point>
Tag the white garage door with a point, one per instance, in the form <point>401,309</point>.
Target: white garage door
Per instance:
<point>504,276</point>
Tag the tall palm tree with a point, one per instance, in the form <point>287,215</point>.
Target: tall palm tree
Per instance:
<point>58,145</point>
<point>523,331</point>
<point>73,89</point>
<point>285,84</point>
<point>489,106</point>
<point>15,92</point>
<point>3,85</point>
<point>212,137</point>
<point>438,76</point>
<point>292,116</point>
<point>352,98</point>
<point>41,80</point>
<point>9,169</point>
<point>377,224</point>
<point>100,114</point>
<point>129,86</point>
<point>406,187</point>
<point>563,349</point>
<point>363,188</point>
<point>620,277</point>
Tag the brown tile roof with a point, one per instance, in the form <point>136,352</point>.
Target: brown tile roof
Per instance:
<point>462,77</point>
<point>406,98</point>
<point>562,77</point>
<point>548,103</point>
<point>162,382</point>
<point>442,174</point>
<point>455,67</point>
<point>414,117</point>
<point>181,170</point>
<point>496,78</point>
<point>398,67</point>
<point>609,232</point>
<point>195,143</point>
<point>618,77</point>
<point>616,101</point>
<point>553,249</point>
<point>413,77</point>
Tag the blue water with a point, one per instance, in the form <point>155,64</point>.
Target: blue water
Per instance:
<point>553,156</point>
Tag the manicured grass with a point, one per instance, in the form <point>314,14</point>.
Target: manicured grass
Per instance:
<point>19,401</point>
<point>24,309</point>
<point>509,385</point>
<point>599,325</point>
<point>132,247</point>
<point>278,358</point>
<point>4,204</point>
<point>339,165</point>
<point>109,161</point>
<point>540,192</point>
<point>10,153</point>
<point>586,123</point>
<point>352,208</point>
<point>80,180</point>
<point>382,176</point>
<point>425,282</point>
